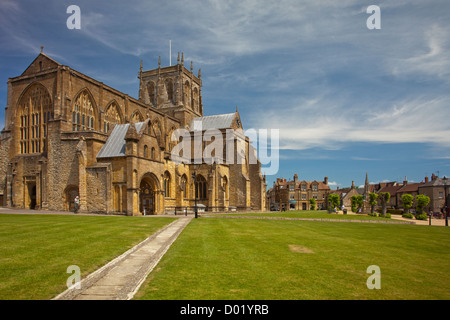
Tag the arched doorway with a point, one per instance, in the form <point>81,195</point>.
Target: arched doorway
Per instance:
<point>70,193</point>
<point>147,197</point>
<point>31,196</point>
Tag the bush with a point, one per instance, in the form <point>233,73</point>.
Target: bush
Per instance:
<point>372,214</point>
<point>408,215</point>
<point>395,211</point>
<point>422,216</point>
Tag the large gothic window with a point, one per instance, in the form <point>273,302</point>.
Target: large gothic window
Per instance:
<point>136,117</point>
<point>83,115</point>
<point>112,116</point>
<point>35,110</point>
<point>200,187</point>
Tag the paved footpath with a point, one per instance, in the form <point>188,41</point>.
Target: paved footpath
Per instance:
<point>121,278</point>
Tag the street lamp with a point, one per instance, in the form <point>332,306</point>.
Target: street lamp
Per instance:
<point>445,197</point>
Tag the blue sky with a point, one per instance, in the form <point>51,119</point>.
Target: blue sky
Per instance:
<point>347,100</point>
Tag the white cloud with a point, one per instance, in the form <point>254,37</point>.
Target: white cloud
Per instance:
<point>332,125</point>
<point>433,61</point>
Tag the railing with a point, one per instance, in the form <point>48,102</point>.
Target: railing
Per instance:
<point>185,210</point>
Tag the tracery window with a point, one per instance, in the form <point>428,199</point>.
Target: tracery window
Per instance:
<point>112,116</point>
<point>151,88</point>
<point>167,184</point>
<point>35,110</point>
<point>183,186</point>
<point>169,88</point>
<point>136,117</point>
<point>83,115</point>
<point>200,187</point>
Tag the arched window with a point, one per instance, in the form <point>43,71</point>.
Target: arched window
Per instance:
<point>225,186</point>
<point>149,128</point>
<point>152,154</point>
<point>171,143</point>
<point>112,116</point>
<point>169,88</point>
<point>167,184</point>
<point>195,100</point>
<point>35,110</point>
<point>145,151</point>
<point>137,117</point>
<point>151,92</point>
<point>200,187</point>
<point>187,94</point>
<point>183,186</point>
<point>83,115</point>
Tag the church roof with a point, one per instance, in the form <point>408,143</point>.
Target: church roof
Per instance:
<point>115,145</point>
<point>220,121</point>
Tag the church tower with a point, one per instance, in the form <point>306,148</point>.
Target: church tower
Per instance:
<point>174,90</point>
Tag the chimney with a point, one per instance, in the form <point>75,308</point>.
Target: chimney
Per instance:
<point>405,182</point>
<point>426,179</point>
<point>295,178</point>
<point>353,184</point>
<point>433,177</point>
<point>325,180</point>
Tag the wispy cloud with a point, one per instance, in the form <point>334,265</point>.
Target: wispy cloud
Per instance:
<point>434,60</point>
<point>403,122</point>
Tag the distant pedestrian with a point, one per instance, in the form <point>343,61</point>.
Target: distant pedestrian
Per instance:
<point>77,204</point>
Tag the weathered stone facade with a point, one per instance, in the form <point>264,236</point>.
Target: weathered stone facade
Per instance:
<point>295,194</point>
<point>67,134</point>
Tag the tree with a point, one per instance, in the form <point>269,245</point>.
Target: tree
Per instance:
<point>333,201</point>
<point>422,201</point>
<point>384,198</point>
<point>312,201</point>
<point>357,202</point>
<point>372,201</point>
<point>407,201</point>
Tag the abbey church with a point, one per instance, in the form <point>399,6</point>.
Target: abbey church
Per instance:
<point>67,134</point>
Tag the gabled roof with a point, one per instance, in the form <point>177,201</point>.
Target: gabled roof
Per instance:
<point>391,189</point>
<point>34,66</point>
<point>220,121</point>
<point>115,145</point>
<point>410,187</point>
<point>435,183</point>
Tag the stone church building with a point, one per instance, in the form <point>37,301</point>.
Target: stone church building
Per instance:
<point>67,134</point>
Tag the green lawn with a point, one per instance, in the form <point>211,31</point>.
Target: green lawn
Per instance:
<point>35,250</point>
<point>217,258</point>
<point>308,214</point>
